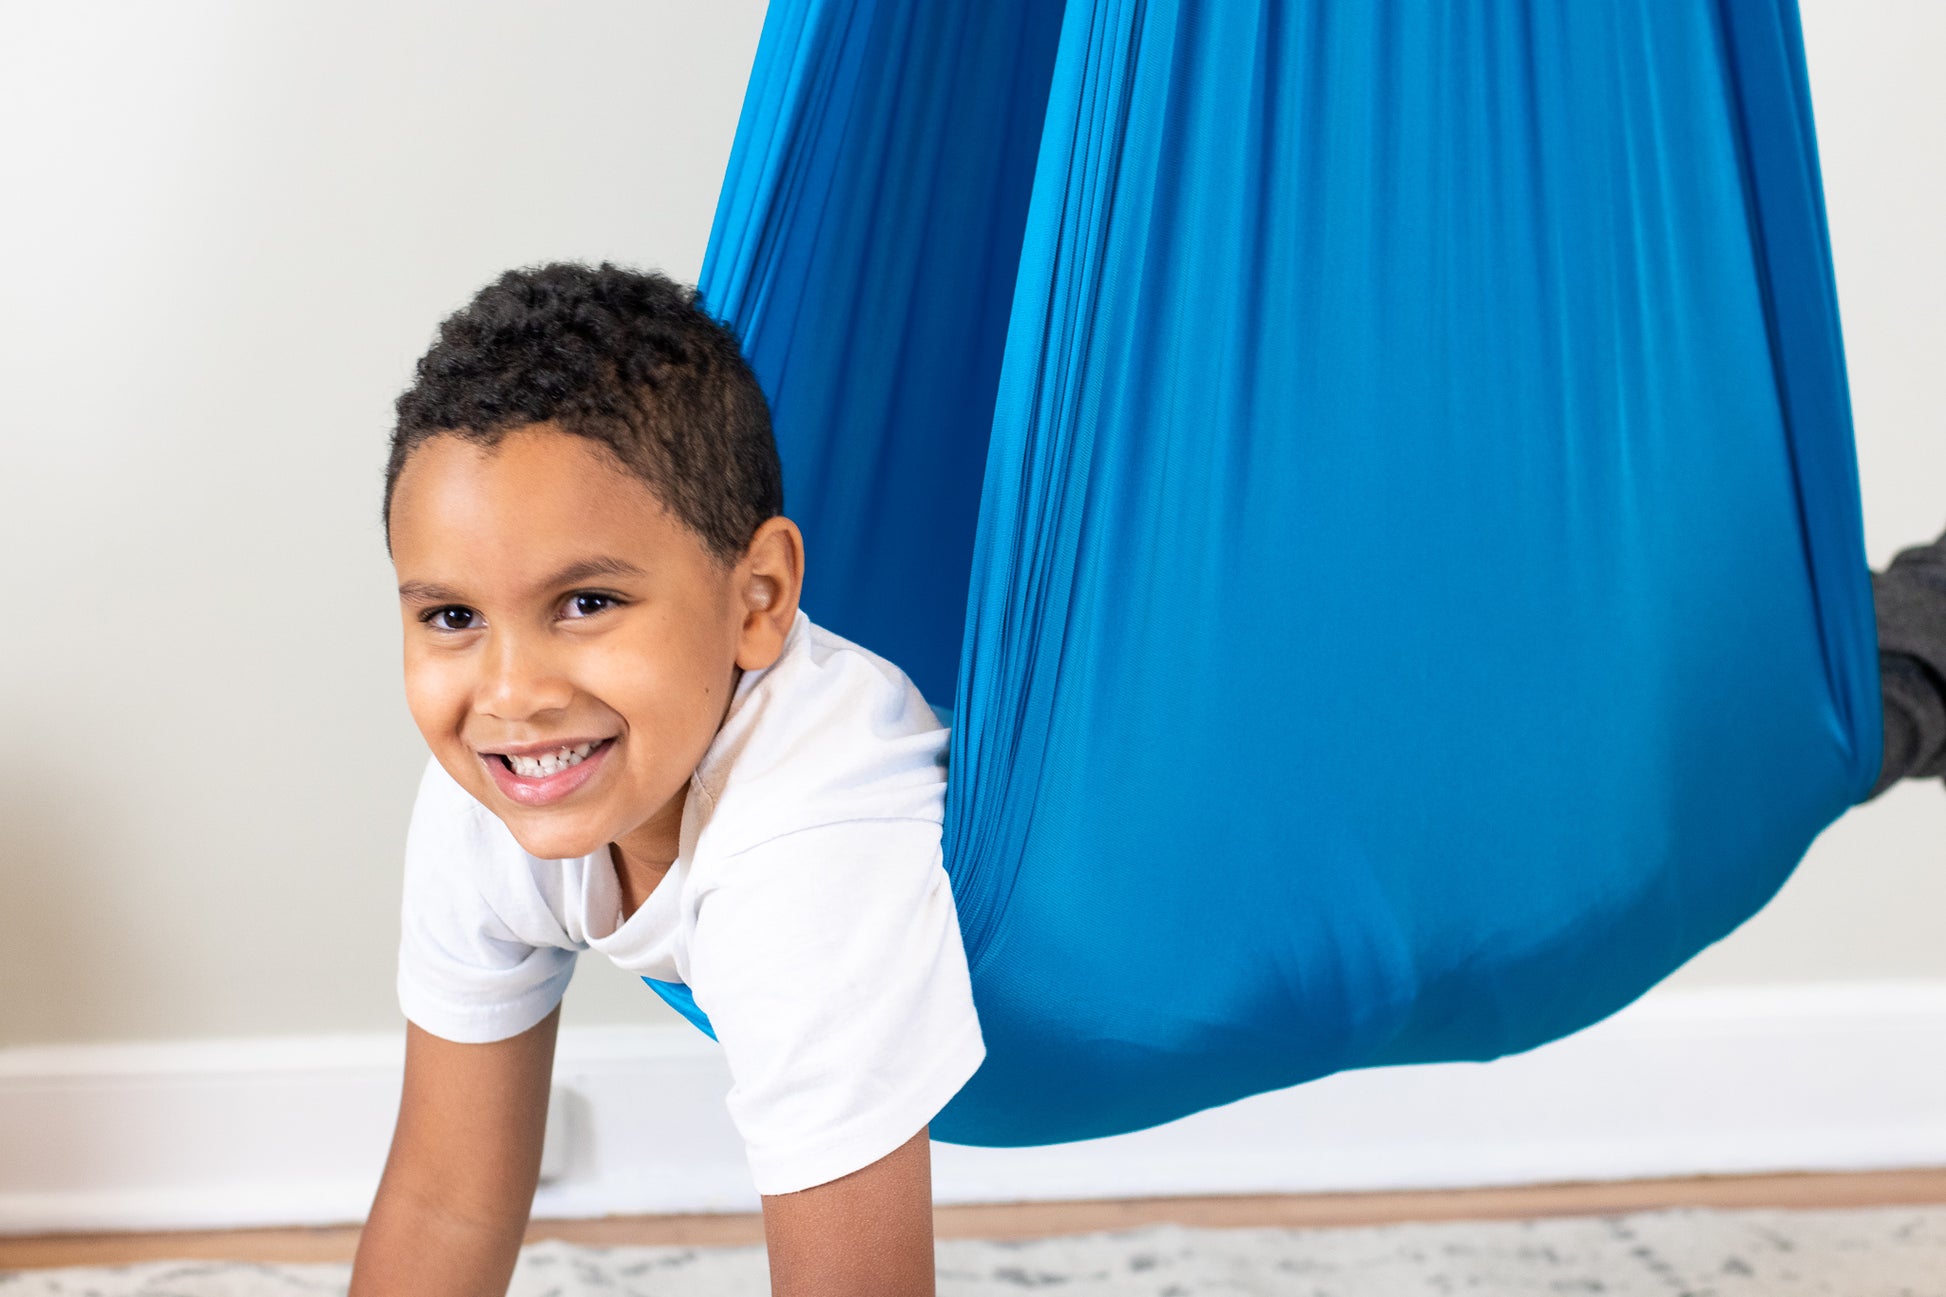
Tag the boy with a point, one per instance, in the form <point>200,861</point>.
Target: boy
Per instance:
<point>629,716</point>
<point>642,746</point>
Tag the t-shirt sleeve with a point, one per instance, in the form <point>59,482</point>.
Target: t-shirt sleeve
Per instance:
<point>481,958</point>
<point>830,964</point>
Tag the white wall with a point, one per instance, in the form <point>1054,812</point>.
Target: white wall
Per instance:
<point>231,227</point>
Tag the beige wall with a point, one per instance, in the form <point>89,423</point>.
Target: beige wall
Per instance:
<point>240,224</point>
<point>231,227</point>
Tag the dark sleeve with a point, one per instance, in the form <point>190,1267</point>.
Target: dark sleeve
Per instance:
<point>1910,599</point>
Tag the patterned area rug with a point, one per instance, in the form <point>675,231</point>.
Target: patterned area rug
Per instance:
<point>1881,1252</point>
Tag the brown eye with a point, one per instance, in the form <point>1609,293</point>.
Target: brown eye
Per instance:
<point>587,603</point>
<point>451,618</point>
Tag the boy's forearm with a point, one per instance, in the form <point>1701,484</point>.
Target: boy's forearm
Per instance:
<point>867,1234</point>
<point>459,1182</point>
<point>411,1245</point>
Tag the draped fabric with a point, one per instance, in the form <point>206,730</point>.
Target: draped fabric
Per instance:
<point>1375,482</point>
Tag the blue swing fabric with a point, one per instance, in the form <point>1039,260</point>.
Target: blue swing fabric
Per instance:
<point>1375,481</point>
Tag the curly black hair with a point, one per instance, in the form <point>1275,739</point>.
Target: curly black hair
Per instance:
<point>626,358</point>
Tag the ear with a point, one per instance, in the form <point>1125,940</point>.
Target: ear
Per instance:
<point>766,585</point>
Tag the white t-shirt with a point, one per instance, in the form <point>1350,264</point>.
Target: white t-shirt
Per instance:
<point>809,913</point>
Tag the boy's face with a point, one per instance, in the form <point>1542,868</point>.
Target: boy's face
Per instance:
<point>549,600</point>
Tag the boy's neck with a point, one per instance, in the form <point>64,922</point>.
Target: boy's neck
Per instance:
<point>643,859</point>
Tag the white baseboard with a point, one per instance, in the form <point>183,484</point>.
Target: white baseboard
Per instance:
<point>218,1134</point>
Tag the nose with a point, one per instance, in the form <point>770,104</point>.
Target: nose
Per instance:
<point>520,678</point>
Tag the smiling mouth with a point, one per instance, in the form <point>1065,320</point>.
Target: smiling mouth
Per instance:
<point>550,763</point>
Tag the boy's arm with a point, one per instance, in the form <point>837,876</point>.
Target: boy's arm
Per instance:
<point>466,1155</point>
<point>867,1234</point>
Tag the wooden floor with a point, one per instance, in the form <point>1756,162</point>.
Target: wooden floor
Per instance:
<point>1883,1188</point>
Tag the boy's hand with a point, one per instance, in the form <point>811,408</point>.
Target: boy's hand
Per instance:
<point>867,1234</point>
<point>465,1158</point>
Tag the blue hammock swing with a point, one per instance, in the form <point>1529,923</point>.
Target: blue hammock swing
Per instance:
<point>1374,480</point>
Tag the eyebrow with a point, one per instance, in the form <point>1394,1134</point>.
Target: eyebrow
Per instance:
<point>573,573</point>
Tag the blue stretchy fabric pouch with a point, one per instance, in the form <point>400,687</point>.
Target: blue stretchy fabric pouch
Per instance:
<point>1375,480</point>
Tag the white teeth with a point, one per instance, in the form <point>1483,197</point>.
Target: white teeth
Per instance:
<point>549,763</point>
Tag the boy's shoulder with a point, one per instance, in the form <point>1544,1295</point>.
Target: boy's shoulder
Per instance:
<point>829,732</point>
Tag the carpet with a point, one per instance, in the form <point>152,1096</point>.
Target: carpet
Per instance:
<point>1876,1252</point>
